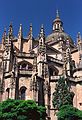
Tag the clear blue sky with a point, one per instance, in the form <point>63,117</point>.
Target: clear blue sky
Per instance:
<point>40,12</point>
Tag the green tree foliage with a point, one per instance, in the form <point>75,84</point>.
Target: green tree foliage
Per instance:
<point>62,95</point>
<point>68,112</point>
<point>21,110</point>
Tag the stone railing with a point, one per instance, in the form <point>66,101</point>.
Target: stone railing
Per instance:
<point>25,72</point>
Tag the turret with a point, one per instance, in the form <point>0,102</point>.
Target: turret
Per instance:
<point>57,23</point>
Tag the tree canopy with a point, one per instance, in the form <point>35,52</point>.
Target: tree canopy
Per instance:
<point>21,110</point>
<point>62,94</point>
<point>68,112</point>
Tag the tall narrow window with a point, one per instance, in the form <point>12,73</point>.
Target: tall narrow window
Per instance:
<point>23,93</point>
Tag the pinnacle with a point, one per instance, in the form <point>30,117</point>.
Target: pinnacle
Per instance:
<point>42,30</point>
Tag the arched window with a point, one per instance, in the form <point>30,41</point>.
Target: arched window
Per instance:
<point>23,93</point>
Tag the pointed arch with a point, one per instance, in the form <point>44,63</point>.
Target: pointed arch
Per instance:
<point>25,65</point>
<point>23,93</point>
<point>53,70</point>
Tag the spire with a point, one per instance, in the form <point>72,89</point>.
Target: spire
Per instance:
<point>30,32</point>
<point>42,46</point>
<point>30,36</point>
<point>79,42</point>
<point>31,28</point>
<point>10,31</point>
<point>57,14</point>
<point>42,34</point>
<point>78,37</point>
<point>20,34</point>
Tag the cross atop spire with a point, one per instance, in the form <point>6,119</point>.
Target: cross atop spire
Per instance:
<point>57,13</point>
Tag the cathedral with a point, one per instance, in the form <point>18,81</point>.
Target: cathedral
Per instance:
<point>30,67</point>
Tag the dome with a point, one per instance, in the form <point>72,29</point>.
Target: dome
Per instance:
<point>58,31</point>
<point>56,36</point>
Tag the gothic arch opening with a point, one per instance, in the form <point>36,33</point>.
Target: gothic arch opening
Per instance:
<point>25,65</point>
<point>23,93</point>
<point>53,70</point>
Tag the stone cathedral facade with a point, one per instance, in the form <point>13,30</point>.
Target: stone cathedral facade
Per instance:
<point>30,67</point>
